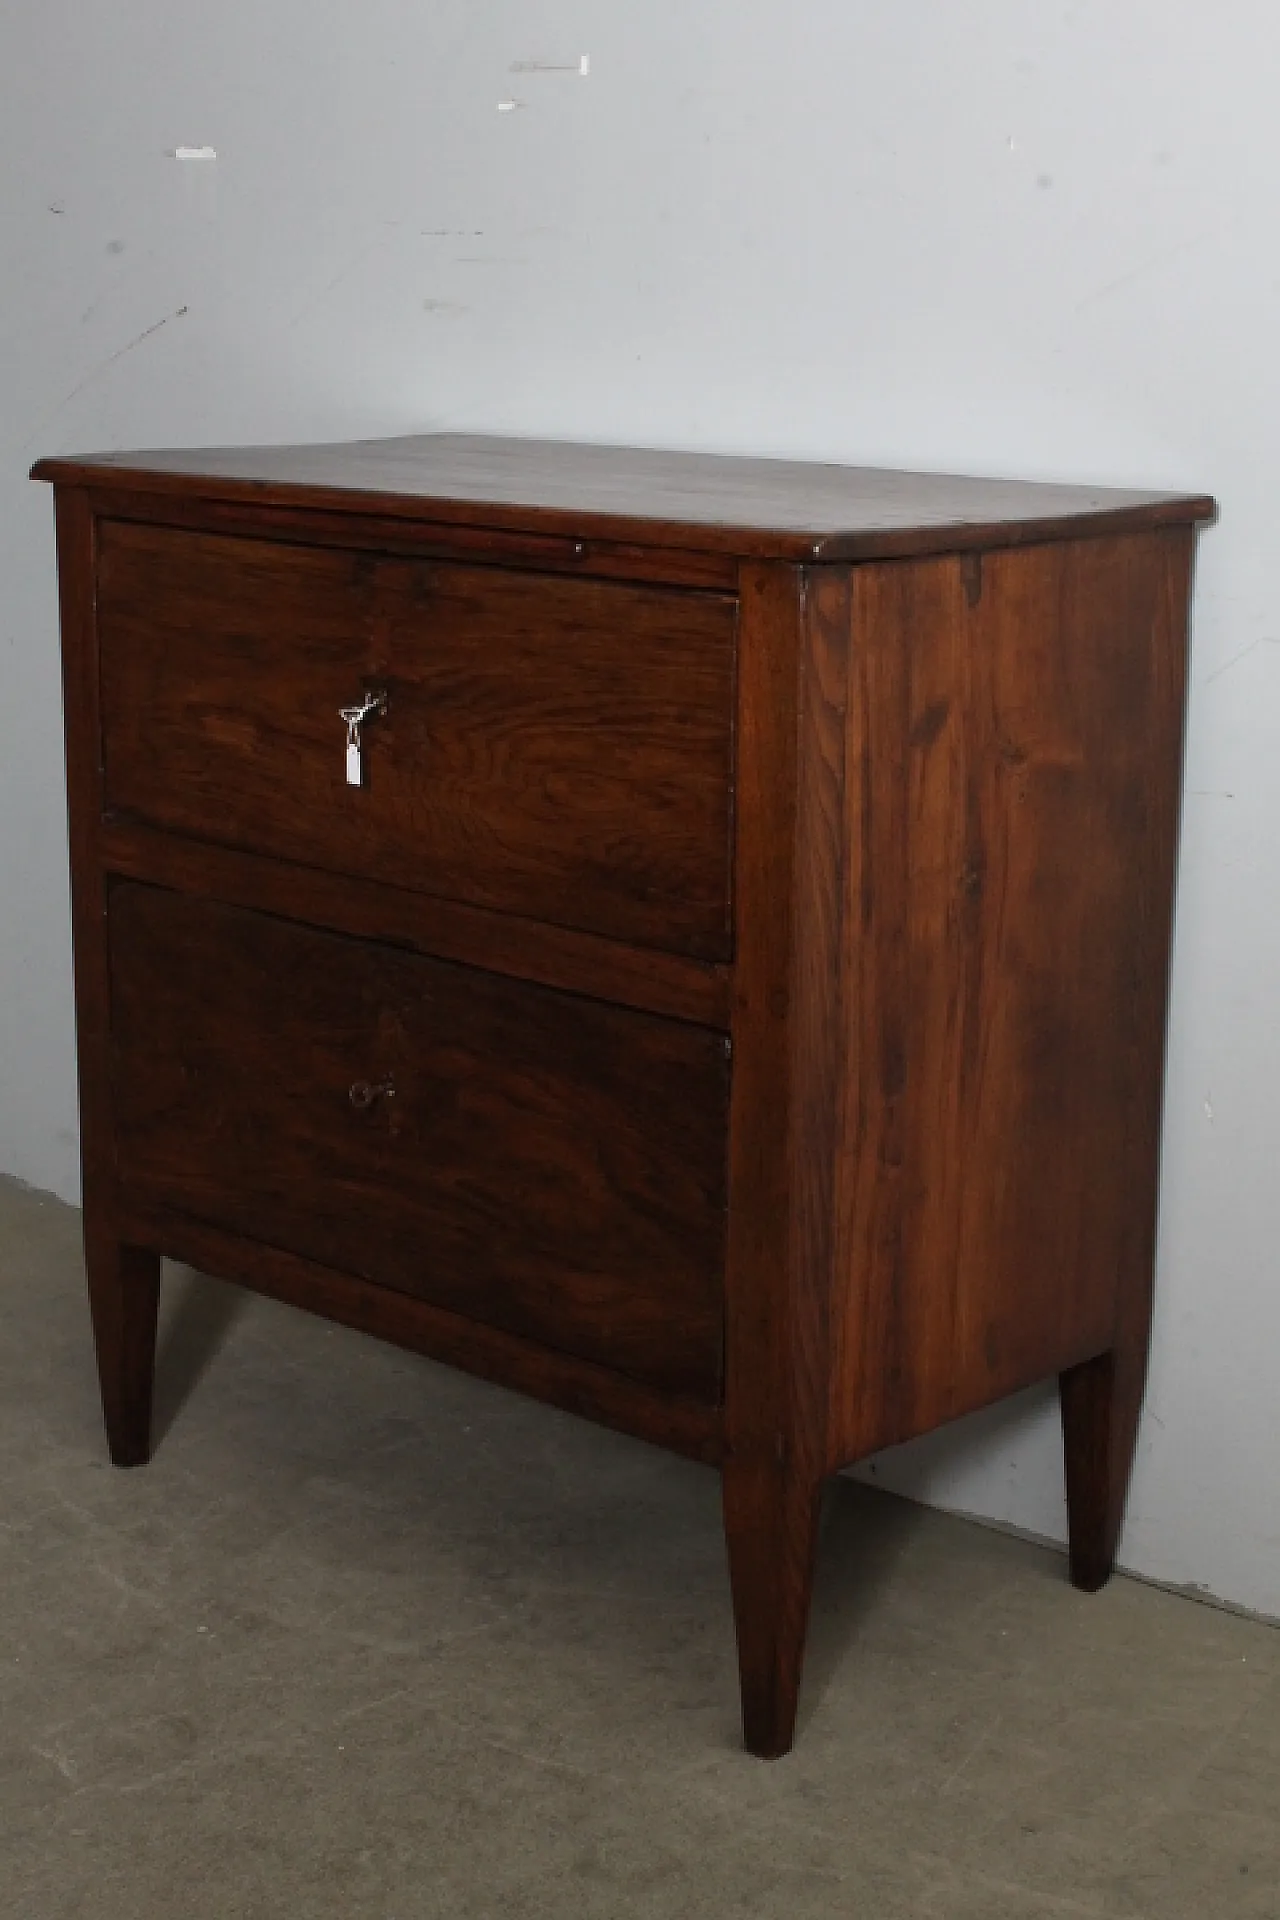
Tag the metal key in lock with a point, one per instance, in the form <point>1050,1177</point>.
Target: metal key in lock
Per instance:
<point>374,702</point>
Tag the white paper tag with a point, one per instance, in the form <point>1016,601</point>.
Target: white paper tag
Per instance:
<point>354,770</point>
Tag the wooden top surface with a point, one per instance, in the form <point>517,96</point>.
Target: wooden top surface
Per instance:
<point>779,509</point>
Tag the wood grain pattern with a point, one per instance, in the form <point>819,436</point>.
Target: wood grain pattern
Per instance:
<point>550,1165</point>
<point>1004,849</point>
<point>595,1393</point>
<point>558,749</point>
<point>640,977</point>
<point>870,778</point>
<point>448,540</point>
<point>759,509</point>
<point>778,1283</point>
<point>1102,1399</point>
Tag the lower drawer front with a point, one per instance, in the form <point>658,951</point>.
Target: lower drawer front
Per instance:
<point>539,1162</point>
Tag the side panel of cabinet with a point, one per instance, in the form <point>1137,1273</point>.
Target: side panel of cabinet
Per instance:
<point>1013,753</point>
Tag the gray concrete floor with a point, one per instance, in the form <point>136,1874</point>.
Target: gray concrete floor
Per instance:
<point>370,1638</point>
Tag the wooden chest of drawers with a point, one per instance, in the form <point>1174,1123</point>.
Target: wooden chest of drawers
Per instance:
<point>684,937</point>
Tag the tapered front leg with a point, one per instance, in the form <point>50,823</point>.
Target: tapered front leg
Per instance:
<point>771,1527</point>
<point>785,1121</point>
<point>124,1298</point>
<point>1101,1402</point>
<point>124,1282</point>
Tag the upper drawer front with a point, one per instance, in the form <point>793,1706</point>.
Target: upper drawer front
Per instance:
<point>555,748</point>
<point>539,1162</point>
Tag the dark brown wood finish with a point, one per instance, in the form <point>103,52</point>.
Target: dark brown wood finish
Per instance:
<point>547,1165</point>
<point>640,977</point>
<point>555,748</point>
<point>758,509</point>
<point>1015,727</point>
<point>595,1393</point>
<point>1102,1398</point>
<point>771,1490</point>
<point>422,539</point>
<point>795,638</point>
<point>123,1280</point>
<point>749,953</point>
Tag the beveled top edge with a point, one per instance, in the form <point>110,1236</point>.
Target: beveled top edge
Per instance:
<point>755,508</point>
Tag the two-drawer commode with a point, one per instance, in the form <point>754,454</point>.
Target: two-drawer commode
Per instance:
<point>684,937</point>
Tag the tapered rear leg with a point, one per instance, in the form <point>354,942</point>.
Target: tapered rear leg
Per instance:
<point>1101,1402</point>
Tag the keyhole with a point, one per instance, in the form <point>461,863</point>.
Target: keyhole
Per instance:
<point>365,1093</point>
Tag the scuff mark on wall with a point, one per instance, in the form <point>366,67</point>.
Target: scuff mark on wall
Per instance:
<point>1264,640</point>
<point>1153,265</point>
<point>581,67</point>
<point>343,273</point>
<point>101,368</point>
<point>137,341</point>
<point>115,281</point>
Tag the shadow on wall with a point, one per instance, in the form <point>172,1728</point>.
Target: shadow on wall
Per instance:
<point>990,1465</point>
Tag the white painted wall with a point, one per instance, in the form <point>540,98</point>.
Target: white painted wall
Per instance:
<point>1004,236</point>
